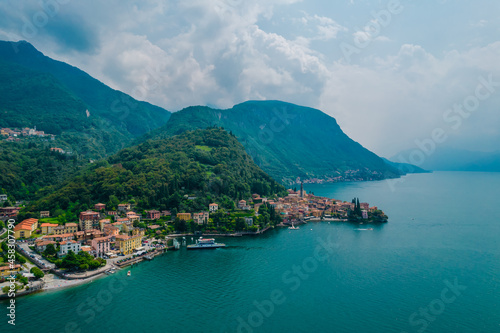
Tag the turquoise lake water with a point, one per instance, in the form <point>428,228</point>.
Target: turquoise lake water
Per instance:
<point>433,268</point>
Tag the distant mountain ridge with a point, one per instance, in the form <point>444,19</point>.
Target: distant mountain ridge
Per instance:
<point>406,167</point>
<point>451,159</point>
<point>287,141</point>
<point>38,90</point>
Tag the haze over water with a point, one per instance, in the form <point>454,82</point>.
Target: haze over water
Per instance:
<point>443,230</point>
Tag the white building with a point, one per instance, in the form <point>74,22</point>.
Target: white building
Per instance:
<point>213,207</point>
<point>66,246</point>
<point>3,197</point>
<point>249,221</point>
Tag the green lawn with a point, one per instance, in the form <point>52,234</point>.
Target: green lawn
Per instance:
<point>243,214</point>
<point>48,220</point>
<point>204,148</point>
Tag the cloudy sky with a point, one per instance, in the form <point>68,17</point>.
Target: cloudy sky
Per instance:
<point>393,73</point>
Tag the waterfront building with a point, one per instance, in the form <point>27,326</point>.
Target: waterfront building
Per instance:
<point>127,244</point>
<point>101,245</point>
<point>88,249</point>
<point>69,245</point>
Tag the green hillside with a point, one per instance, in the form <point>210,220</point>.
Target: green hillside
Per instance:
<point>29,166</point>
<point>54,96</point>
<point>206,164</point>
<point>287,141</point>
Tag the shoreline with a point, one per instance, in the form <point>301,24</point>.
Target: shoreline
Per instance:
<point>59,284</point>
<point>56,283</point>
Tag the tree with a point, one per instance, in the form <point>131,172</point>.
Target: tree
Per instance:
<point>94,264</point>
<point>70,261</point>
<point>50,250</point>
<point>37,272</point>
<point>112,202</point>
<point>22,279</point>
<point>19,258</point>
<point>180,225</point>
<point>240,224</point>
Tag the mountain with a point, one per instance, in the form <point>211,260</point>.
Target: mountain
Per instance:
<point>451,159</point>
<point>205,164</point>
<point>88,116</point>
<point>405,167</point>
<point>287,141</point>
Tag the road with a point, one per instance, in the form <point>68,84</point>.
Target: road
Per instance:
<point>35,257</point>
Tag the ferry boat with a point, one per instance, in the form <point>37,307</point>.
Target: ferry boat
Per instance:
<point>205,243</point>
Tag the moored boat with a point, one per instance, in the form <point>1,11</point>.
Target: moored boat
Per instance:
<point>205,243</point>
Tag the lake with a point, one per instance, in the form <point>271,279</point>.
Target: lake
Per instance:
<point>434,267</point>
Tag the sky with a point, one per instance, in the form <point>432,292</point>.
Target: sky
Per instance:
<point>396,74</point>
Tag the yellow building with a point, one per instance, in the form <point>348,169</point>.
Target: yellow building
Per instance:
<point>127,244</point>
<point>22,231</point>
<point>25,228</point>
<point>316,213</point>
<point>184,216</point>
<point>70,228</point>
<point>6,271</point>
<point>103,222</point>
<point>48,228</point>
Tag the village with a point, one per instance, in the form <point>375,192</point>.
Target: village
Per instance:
<point>16,134</point>
<point>117,238</point>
